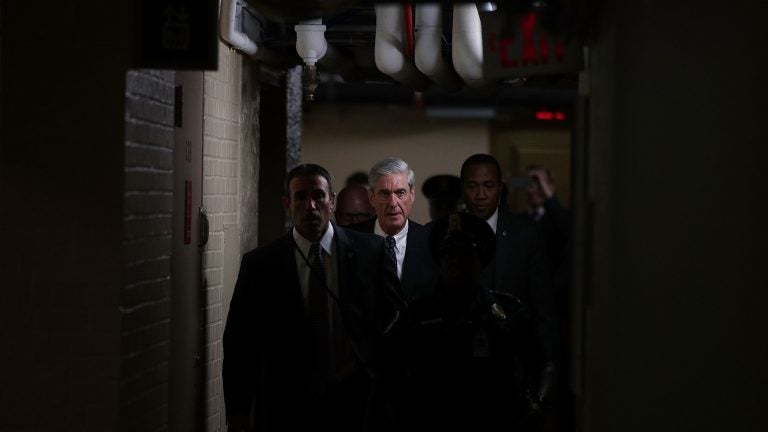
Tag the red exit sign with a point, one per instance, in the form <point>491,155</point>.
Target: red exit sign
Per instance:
<point>517,45</point>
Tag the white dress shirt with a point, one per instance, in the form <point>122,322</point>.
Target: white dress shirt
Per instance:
<point>342,356</point>
<point>493,220</point>
<point>401,241</point>
<point>303,267</point>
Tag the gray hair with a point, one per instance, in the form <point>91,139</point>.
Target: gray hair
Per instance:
<point>391,166</point>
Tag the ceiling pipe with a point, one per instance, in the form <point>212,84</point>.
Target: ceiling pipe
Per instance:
<point>467,45</point>
<point>429,42</point>
<point>408,16</point>
<point>229,16</point>
<point>229,31</point>
<point>389,47</point>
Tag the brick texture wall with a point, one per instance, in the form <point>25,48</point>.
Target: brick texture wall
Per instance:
<point>221,155</point>
<point>148,204</point>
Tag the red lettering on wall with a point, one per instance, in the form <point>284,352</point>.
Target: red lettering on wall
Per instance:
<point>502,48</point>
<point>527,24</point>
<point>528,50</point>
<point>505,60</point>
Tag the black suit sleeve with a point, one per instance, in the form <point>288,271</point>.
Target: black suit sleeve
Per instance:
<point>242,359</point>
<point>556,225</point>
<point>542,296</point>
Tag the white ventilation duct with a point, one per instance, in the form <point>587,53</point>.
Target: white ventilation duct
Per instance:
<point>229,29</point>
<point>230,22</point>
<point>429,43</point>
<point>390,47</point>
<point>467,44</point>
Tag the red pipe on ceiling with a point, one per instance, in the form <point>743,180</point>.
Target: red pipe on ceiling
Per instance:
<point>409,48</point>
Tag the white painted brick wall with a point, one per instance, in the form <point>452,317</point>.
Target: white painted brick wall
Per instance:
<point>221,150</point>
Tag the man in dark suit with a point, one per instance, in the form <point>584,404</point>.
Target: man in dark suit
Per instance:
<point>555,222</point>
<point>352,206</point>
<point>465,351</point>
<point>546,209</point>
<point>304,319</point>
<point>392,195</point>
<point>520,266</point>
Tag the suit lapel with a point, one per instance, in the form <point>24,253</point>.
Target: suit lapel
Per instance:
<point>370,225</point>
<point>412,251</point>
<point>345,260</point>
<point>292,287</point>
<point>502,246</point>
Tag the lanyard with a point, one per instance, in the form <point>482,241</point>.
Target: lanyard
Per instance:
<point>311,270</point>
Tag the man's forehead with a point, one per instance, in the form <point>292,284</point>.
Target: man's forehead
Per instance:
<point>308,183</point>
<point>392,181</point>
<point>481,170</point>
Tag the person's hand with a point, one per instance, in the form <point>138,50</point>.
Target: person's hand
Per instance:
<point>543,182</point>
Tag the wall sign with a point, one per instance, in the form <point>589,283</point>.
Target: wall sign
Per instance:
<point>177,34</point>
<point>517,45</point>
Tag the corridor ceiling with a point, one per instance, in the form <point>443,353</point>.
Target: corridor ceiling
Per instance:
<point>351,28</point>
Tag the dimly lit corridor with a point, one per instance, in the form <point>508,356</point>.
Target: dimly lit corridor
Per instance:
<point>141,155</point>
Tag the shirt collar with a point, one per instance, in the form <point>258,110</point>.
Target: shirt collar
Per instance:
<point>380,232</point>
<point>326,241</point>
<point>493,221</point>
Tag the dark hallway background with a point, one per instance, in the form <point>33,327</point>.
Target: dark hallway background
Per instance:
<point>670,288</point>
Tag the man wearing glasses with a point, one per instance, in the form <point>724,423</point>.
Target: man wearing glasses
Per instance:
<point>392,195</point>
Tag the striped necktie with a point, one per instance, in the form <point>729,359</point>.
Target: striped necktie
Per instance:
<point>390,240</point>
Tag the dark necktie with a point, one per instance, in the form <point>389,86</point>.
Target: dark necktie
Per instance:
<point>318,319</point>
<point>391,250</point>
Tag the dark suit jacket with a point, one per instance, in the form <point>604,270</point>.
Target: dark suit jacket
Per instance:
<point>556,229</point>
<point>419,269</point>
<point>267,346</point>
<point>521,268</point>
